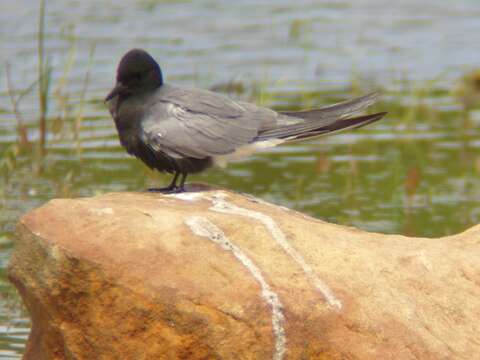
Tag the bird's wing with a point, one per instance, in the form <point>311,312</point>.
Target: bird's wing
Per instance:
<point>188,122</point>
<point>196,123</point>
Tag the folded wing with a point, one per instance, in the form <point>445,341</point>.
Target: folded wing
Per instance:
<point>196,123</point>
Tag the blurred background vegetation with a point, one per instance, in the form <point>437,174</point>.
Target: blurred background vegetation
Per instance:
<point>413,173</point>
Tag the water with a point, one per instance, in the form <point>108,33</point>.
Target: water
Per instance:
<point>414,173</point>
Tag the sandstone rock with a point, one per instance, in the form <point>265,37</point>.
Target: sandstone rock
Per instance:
<point>217,275</point>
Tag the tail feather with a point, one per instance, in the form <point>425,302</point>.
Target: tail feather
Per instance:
<point>309,129</point>
<point>335,112</point>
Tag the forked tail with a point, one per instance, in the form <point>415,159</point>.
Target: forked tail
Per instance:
<point>327,120</point>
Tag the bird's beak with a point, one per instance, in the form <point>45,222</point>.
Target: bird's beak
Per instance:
<point>119,88</point>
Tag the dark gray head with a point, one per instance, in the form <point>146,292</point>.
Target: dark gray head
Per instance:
<point>137,72</point>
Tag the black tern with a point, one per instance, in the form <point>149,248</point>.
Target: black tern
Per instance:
<point>183,130</point>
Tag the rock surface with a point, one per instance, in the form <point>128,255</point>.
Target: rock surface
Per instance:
<point>218,275</point>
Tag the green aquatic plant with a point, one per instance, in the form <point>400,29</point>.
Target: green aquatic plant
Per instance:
<point>81,107</point>
<point>48,92</point>
<point>467,90</point>
<point>59,120</point>
<point>44,78</point>
<point>22,132</point>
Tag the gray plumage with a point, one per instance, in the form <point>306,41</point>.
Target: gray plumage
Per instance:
<point>182,130</point>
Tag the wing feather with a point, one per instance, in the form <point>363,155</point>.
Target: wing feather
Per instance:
<point>198,124</point>
<point>187,122</point>
<point>337,111</point>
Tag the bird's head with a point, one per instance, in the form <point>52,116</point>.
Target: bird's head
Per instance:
<point>137,72</point>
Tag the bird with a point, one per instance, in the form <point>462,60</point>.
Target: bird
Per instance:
<point>183,130</point>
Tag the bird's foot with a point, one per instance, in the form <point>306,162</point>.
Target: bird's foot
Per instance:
<point>168,190</point>
<point>164,190</point>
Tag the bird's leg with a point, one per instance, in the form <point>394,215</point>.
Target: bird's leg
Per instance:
<point>181,187</point>
<point>173,184</point>
<point>170,188</point>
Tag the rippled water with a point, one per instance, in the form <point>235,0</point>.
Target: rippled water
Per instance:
<point>414,173</point>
